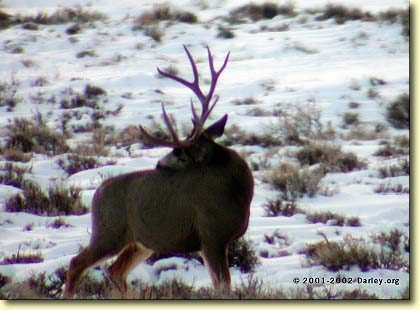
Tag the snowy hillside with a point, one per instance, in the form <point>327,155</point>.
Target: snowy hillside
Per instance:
<point>308,95</point>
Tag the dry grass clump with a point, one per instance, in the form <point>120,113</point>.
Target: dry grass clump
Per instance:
<point>397,15</point>
<point>281,207</point>
<point>86,53</point>
<point>3,281</point>
<point>22,258</point>
<point>74,163</point>
<point>89,98</point>
<point>350,119</point>
<point>149,21</point>
<point>5,19</point>
<point>50,286</point>
<point>386,188</point>
<point>332,219</point>
<point>58,201</point>
<point>235,135</point>
<point>342,255</point>
<point>225,32</point>
<point>402,168</point>
<point>13,175</point>
<point>398,112</point>
<point>129,135</point>
<point>163,13</point>
<point>246,101</point>
<point>331,158</point>
<point>8,93</point>
<point>266,10</point>
<point>37,286</point>
<point>294,182</point>
<point>58,222</point>
<point>296,125</point>
<point>394,239</point>
<point>62,16</point>
<point>276,237</point>
<point>34,136</point>
<point>379,131</point>
<point>400,145</point>
<point>73,29</point>
<point>342,14</point>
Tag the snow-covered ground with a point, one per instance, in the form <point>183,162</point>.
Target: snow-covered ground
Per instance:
<point>313,61</point>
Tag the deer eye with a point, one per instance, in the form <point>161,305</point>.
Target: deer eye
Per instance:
<point>177,152</point>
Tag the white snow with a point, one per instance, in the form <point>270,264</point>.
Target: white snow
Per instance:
<point>336,57</point>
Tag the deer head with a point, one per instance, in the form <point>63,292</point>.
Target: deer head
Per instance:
<point>195,150</point>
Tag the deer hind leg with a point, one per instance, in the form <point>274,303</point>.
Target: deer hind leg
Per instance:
<point>215,259</point>
<point>78,264</point>
<point>127,260</point>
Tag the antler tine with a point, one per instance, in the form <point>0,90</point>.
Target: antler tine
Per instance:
<point>194,86</point>
<point>212,106</point>
<point>169,126</point>
<point>196,118</point>
<point>214,74</point>
<point>198,121</point>
<point>153,140</point>
<point>193,65</point>
<point>162,142</point>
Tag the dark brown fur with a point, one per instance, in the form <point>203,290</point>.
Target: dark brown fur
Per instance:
<point>199,208</point>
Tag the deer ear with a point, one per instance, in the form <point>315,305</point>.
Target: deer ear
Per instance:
<point>216,129</point>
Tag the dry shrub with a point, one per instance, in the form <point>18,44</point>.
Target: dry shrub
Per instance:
<point>266,10</point>
<point>58,201</point>
<point>163,13</point>
<point>13,175</point>
<point>351,252</point>
<point>22,258</point>
<point>281,207</point>
<point>342,14</point>
<point>5,19</point>
<point>402,168</point>
<point>350,119</point>
<point>397,15</point>
<point>398,112</point>
<point>58,222</point>
<point>235,135</point>
<point>331,158</point>
<point>294,182</point>
<point>15,154</point>
<point>400,145</point>
<point>89,98</point>
<point>242,255</point>
<point>8,93</point>
<point>35,136</point>
<point>386,188</point>
<point>74,163</point>
<point>394,239</point>
<point>129,135</point>
<point>296,125</point>
<point>362,133</point>
<point>62,16</point>
<point>333,218</point>
<point>225,32</point>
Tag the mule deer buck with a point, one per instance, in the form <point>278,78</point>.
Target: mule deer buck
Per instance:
<point>197,199</point>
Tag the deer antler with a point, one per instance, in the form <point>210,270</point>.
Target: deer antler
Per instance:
<point>206,108</point>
